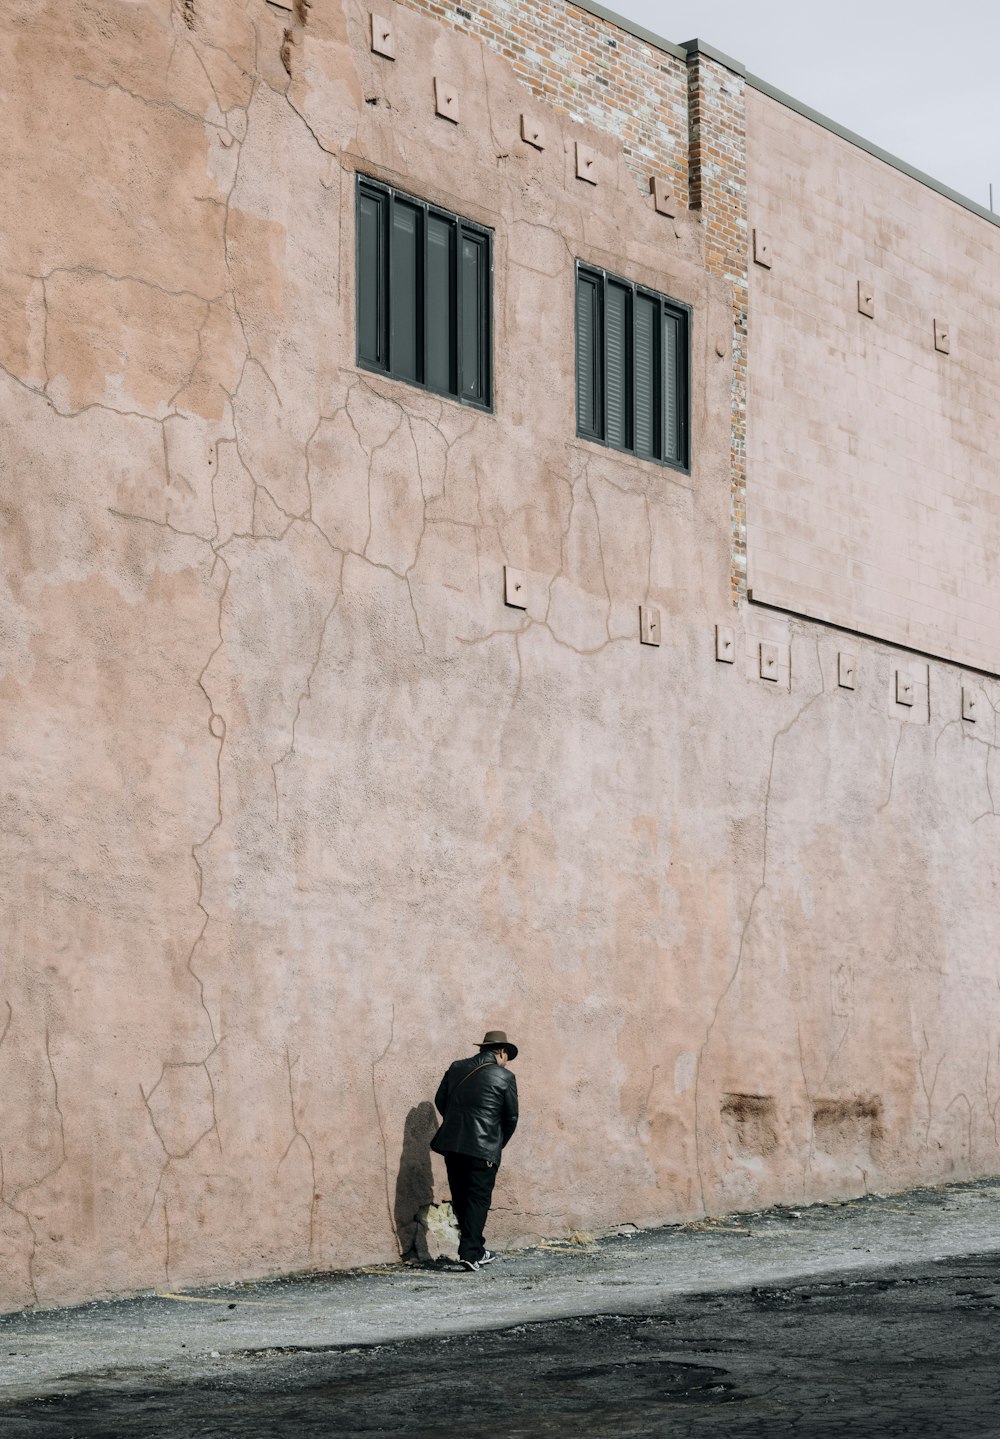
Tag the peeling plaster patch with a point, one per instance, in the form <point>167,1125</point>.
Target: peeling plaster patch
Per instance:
<point>119,341</point>
<point>751,1122</point>
<point>685,1066</point>
<point>847,1127</point>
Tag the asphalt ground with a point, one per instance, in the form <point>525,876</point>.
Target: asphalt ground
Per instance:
<point>878,1316</point>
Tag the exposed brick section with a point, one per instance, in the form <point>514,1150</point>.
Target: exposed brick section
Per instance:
<point>589,69</point>
<point>718,188</point>
<point>683,121</point>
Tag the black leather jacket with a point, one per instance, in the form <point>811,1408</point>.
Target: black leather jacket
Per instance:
<point>477,1099</point>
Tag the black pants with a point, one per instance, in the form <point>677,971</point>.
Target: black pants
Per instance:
<point>471,1181</point>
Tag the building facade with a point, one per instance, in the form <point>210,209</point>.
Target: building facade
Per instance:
<point>500,528</point>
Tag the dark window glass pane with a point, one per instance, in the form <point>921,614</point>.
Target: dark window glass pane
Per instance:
<point>424,280</point>
<point>440,329</point>
<point>404,291</point>
<point>473,290</point>
<point>618,330</point>
<point>371,298</point>
<point>647,332</point>
<point>672,378</point>
<point>587,393</point>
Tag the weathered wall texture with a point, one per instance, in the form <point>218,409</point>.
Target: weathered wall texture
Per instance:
<point>293,806</point>
<point>876,491</point>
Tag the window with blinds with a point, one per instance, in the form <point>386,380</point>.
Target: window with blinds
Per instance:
<point>631,368</point>
<point>424,295</point>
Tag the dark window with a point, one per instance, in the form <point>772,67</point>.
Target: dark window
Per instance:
<point>631,368</point>
<point>425,282</point>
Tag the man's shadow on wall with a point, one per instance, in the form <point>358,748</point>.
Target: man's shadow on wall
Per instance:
<point>415,1181</point>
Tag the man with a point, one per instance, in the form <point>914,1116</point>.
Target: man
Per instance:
<point>477,1100</point>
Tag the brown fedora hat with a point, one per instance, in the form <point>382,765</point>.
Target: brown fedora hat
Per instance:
<point>496,1038</point>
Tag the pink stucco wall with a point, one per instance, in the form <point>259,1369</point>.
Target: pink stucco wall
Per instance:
<point>876,480</point>
<point>294,805</point>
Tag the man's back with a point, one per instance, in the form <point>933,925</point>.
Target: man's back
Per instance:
<point>477,1099</point>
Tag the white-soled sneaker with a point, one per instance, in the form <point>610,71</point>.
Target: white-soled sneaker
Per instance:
<point>488,1257</point>
<point>471,1265</point>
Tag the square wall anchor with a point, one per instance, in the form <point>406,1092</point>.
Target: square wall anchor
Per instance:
<point>725,645</point>
<point>846,670</point>
<point>761,249</point>
<point>649,625</point>
<point>445,99</point>
<point>866,299</point>
<point>515,591</point>
<point>904,688</point>
<point>968,704</point>
<point>586,164</point>
<point>942,337</point>
<point>663,196</point>
<point>383,39</point>
<point>532,132</point>
<point>768,661</point>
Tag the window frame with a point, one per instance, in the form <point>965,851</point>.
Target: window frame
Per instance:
<point>666,305</point>
<point>461,229</point>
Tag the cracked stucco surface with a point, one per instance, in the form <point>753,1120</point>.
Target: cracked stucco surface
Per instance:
<point>294,807</point>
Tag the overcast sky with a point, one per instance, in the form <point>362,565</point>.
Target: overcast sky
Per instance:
<point>920,79</point>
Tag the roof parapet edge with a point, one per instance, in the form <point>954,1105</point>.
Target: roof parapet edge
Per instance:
<point>683,52</point>
<point>630,28</point>
<point>702,47</point>
<point>808,113</point>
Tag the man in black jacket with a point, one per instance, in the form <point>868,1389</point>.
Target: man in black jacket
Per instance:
<point>477,1100</point>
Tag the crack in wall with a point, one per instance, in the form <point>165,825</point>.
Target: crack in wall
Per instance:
<point>297,1134</point>
<point>217,824</point>
<point>13,1200</point>
<point>260,489</point>
<point>835,1055</point>
<point>892,771</point>
<point>154,104</point>
<point>600,551</point>
<point>992,1105</point>
<point>555,1214</point>
<point>963,1098</point>
<point>781,734</point>
<point>213,1128</point>
<point>305,694</point>
<point>928,1093</point>
<point>807,1168</point>
<point>381,1126</point>
<point>644,1111</point>
<point>124,278</point>
<point>992,812</point>
<point>172,1156</point>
